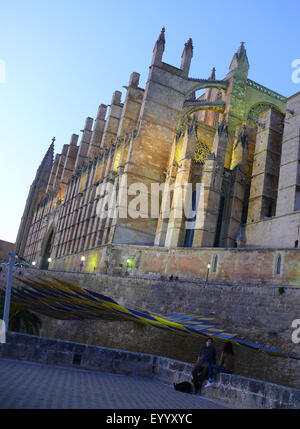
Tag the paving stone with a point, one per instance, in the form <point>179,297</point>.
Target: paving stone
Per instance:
<point>28,385</point>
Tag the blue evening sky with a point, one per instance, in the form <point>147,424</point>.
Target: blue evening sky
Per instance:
<point>65,57</point>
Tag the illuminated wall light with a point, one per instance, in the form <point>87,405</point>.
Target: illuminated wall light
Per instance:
<point>93,262</point>
<point>208,268</point>
<point>82,258</point>
<point>33,263</point>
<point>130,262</point>
<point>49,259</point>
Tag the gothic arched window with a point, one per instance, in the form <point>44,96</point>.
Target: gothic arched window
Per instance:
<point>278,265</point>
<point>215,264</point>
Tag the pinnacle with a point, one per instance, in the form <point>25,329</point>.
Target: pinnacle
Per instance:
<point>47,161</point>
<point>189,43</point>
<point>213,74</point>
<point>242,50</point>
<point>48,158</point>
<point>162,35</point>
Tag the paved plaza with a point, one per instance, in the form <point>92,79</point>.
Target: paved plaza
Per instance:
<point>27,385</point>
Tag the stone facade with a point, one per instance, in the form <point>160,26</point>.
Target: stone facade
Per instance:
<point>5,248</point>
<point>239,141</point>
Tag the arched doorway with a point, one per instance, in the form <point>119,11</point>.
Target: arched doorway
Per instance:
<point>47,250</point>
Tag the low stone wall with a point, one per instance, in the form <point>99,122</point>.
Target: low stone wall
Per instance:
<point>66,353</point>
<point>237,391</point>
<point>232,266</point>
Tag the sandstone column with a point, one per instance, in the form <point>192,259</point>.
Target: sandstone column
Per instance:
<point>266,165</point>
<point>288,199</point>
<point>210,191</point>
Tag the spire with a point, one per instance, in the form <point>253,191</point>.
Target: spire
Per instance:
<point>186,57</point>
<point>242,51</point>
<point>189,44</point>
<point>43,172</point>
<point>239,58</point>
<point>213,74</point>
<point>161,38</point>
<point>159,48</point>
<point>47,161</point>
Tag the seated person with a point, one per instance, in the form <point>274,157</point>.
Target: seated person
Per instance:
<point>226,364</point>
<point>207,357</point>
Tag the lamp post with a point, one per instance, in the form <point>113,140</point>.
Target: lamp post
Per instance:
<point>82,260</point>
<point>12,256</point>
<point>208,268</point>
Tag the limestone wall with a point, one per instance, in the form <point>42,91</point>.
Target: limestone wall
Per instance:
<point>251,266</point>
<point>282,229</point>
<point>239,392</point>
<point>258,313</point>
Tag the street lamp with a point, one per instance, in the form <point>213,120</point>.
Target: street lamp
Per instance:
<point>82,260</point>
<point>127,266</point>
<point>208,268</point>
<point>34,263</point>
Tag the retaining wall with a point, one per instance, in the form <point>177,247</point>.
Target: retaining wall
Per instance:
<point>255,266</point>
<point>258,313</point>
<point>237,391</point>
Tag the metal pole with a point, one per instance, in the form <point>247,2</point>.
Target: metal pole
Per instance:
<point>12,256</point>
<point>208,268</point>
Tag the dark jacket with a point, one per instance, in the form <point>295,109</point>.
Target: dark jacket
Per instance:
<point>207,355</point>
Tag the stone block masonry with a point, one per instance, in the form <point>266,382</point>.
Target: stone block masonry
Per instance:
<point>250,266</point>
<point>165,134</point>
<point>239,392</point>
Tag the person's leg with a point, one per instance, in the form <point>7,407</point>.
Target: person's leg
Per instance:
<point>204,373</point>
<point>211,371</point>
<point>197,377</point>
<point>196,370</point>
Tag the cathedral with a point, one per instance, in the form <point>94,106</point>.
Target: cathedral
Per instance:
<point>234,141</point>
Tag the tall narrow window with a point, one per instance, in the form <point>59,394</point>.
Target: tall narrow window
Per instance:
<point>278,265</point>
<point>215,264</point>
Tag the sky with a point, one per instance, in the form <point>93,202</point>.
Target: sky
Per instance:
<point>60,59</point>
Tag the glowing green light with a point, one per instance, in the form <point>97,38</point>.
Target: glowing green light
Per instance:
<point>130,262</point>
